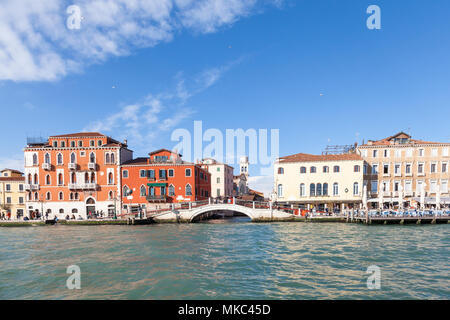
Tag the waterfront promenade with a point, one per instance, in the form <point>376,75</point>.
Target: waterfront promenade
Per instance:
<point>256,211</point>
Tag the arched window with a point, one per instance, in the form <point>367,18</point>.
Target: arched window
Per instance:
<point>280,190</point>
<point>90,201</point>
<point>171,190</point>
<point>72,144</point>
<point>76,195</point>
<point>107,158</point>
<point>125,191</point>
<point>61,210</point>
<point>336,169</point>
<point>92,157</point>
<point>280,170</point>
<point>143,191</point>
<point>47,180</point>
<point>35,159</point>
<point>73,177</point>
<point>59,159</point>
<point>110,195</point>
<point>325,189</point>
<point>335,189</point>
<point>86,177</point>
<point>36,180</point>
<point>319,189</point>
<point>312,190</point>
<point>47,158</point>
<point>313,170</point>
<point>63,144</point>
<point>188,190</point>
<point>93,177</point>
<point>303,170</point>
<point>356,188</point>
<point>36,197</point>
<point>302,190</point>
<point>113,160</point>
<point>357,168</point>
<point>71,196</point>
<point>47,196</point>
<point>61,196</point>
<point>110,178</point>
<point>60,179</point>
<point>74,210</point>
<point>326,169</point>
<point>73,158</point>
<point>30,179</point>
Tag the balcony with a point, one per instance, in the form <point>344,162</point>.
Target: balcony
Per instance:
<point>157,198</point>
<point>82,186</point>
<point>31,187</point>
<point>92,165</point>
<point>46,166</point>
<point>72,166</point>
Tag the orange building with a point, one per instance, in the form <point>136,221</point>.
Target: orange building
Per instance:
<point>74,174</point>
<point>162,178</point>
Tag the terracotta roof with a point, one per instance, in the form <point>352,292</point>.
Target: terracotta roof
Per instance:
<point>12,170</point>
<point>305,157</point>
<point>79,134</point>
<point>255,192</point>
<point>12,178</point>
<point>136,161</point>
<point>161,150</point>
<point>387,141</point>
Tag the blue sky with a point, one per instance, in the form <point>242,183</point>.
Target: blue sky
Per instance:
<point>309,68</point>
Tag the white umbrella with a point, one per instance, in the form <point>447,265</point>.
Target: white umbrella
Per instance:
<point>381,198</point>
<point>422,196</point>
<point>438,197</point>
<point>364,197</point>
<point>400,197</point>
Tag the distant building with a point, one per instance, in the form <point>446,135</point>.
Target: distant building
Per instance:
<point>402,164</point>
<point>221,178</point>
<point>162,178</point>
<point>12,193</point>
<point>74,174</point>
<point>240,182</point>
<point>319,181</point>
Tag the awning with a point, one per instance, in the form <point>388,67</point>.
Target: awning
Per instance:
<point>157,184</point>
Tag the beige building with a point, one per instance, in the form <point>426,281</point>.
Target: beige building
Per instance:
<point>12,194</point>
<point>221,178</point>
<point>319,181</point>
<point>402,164</point>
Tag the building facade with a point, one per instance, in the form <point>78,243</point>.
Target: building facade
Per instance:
<point>161,179</point>
<point>74,175</point>
<point>221,178</point>
<point>402,164</point>
<point>306,181</point>
<point>240,182</point>
<point>12,194</point>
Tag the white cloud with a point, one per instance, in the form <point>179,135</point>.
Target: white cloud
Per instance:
<point>15,162</point>
<point>143,121</point>
<point>36,45</point>
<point>261,184</point>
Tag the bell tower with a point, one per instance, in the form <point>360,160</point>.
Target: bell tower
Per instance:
<point>243,165</point>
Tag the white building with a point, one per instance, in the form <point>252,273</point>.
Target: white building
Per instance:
<point>221,178</point>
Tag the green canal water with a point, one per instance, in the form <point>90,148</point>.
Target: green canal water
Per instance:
<point>226,259</point>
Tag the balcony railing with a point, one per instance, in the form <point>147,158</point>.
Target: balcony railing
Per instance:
<point>46,166</point>
<point>72,166</point>
<point>82,186</point>
<point>31,187</point>
<point>92,165</point>
<point>156,198</point>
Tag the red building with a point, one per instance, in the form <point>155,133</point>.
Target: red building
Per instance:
<point>162,178</point>
<point>74,174</point>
